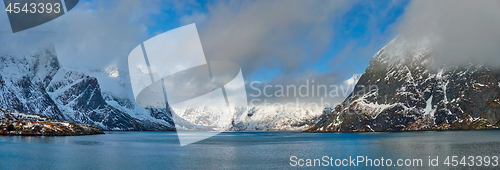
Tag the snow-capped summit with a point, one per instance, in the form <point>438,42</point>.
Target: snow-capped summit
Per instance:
<point>351,82</point>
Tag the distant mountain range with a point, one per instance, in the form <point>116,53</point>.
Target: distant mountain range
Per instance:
<point>403,89</point>
<point>38,84</point>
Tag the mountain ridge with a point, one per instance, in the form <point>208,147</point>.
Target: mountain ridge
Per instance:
<point>413,94</point>
<point>37,84</point>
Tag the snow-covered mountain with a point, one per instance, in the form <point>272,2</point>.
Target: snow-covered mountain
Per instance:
<point>404,90</point>
<point>254,118</point>
<point>272,118</point>
<point>37,84</point>
<point>259,117</point>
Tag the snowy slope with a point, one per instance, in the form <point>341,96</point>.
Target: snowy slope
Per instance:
<point>23,80</point>
<point>271,118</point>
<point>116,91</point>
<point>36,83</point>
<point>259,117</point>
<point>413,93</point>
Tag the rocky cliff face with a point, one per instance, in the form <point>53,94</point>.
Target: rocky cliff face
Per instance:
<point>404,90</point>
<point>37,84</point>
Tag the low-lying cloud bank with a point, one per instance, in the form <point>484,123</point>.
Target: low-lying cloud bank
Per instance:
<point>460,31</point>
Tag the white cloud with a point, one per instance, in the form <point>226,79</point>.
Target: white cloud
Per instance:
<point>92,36</point>
<point>196,17</point>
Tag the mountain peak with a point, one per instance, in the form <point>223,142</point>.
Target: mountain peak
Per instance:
<point>413,94</point>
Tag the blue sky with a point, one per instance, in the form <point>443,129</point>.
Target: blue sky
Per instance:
<point>367,26</point>
<point>358,34</point>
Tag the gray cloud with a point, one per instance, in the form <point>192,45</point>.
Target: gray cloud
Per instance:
<point>94,31</point>
<point>93,36</point>
<point>286,35</point>
<point>309,87</point>
<point>460,30</point>
<point>103,33</point>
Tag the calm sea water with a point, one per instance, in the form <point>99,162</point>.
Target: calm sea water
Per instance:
<point>235,150</point>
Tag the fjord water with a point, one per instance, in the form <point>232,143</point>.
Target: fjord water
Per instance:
<point>236,150</point>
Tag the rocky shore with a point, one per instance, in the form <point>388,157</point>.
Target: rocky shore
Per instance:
<point>24,124</point>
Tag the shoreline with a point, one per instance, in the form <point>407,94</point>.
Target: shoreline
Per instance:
<point>51,135</point>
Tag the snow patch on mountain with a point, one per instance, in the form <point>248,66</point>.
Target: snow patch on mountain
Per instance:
<point>428,107</point>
